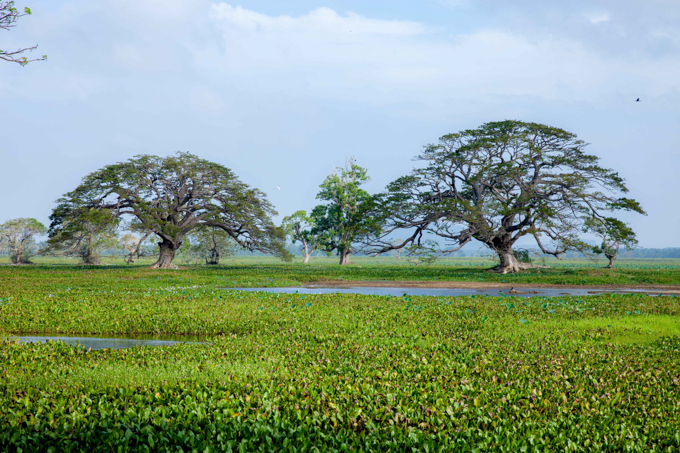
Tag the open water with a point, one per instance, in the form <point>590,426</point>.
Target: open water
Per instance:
<point>107,343</point>
<point>443,292</point>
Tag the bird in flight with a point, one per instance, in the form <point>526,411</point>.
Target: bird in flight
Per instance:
<point>638,100</point>
<point>277,188</point>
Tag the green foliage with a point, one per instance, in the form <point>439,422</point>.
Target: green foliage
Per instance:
<point>171,197</point>
<point>423,253</point>
<point>499,183</point>
<point>613,233</point>
<point>17,236</point>
<point>346,217</point>
<point>84,236</point>
<point>522,255</point>
<point>298,227</point>
<point>208,245</point>
<point>8,18</point>
<point>332,372</point>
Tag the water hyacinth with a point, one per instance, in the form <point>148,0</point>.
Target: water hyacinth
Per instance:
<point>333,372</point>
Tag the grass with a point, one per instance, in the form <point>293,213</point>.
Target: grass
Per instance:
<point>266,272</point>
<point>293,372</point>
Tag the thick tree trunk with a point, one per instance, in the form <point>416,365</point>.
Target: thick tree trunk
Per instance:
<point>611,261</point>
<point>509,263</point>
<point>213,258</point>
<point>344,257</point>
<point>90,258</point>
<point>168,250</point>
<point>305,259</point>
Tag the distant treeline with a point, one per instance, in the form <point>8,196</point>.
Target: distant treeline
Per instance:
<point>668,252</point>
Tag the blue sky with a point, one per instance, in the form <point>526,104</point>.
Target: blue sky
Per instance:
<point>282,92</point>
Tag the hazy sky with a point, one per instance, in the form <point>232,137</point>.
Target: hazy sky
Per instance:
<point>282,91</point>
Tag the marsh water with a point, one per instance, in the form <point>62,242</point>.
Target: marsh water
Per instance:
<point>96,343</point>
<point>443,292</point>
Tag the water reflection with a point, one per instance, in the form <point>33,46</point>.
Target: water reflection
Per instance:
<point>444,292</point>
<point>96,343</point>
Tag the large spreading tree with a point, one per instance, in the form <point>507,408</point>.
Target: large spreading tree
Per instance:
<point>498,184</point>
<point>171,197</point>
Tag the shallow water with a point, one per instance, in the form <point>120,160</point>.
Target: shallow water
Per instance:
<point>96,343</point>
<point>441,292</point>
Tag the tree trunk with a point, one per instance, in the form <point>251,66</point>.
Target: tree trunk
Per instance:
<point>509,263</point>
<point>90,258</point>
<point>344,257</point>
<point>611,261</point>
<point>213,258</point>
<point>306,254</point>
<point>168,250</point>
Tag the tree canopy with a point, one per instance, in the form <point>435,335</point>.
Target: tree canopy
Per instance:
<point>209,245</point>
<point>18,237</point>
<point>172,196</point>
<point>346,217</point>
<point>613,233</point>
<point>499,183</point>
<point>84,236</point>
<point>8,18</point>
<point>298,226</point>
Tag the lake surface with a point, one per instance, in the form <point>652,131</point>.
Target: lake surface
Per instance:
<point>443,292</point>
<point>96,343</point>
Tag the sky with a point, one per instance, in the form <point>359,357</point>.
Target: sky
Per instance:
<point>282,92</point>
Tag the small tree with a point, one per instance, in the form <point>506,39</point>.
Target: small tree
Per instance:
<point>299,228</point>
<point>18,237</point>
<point>346,216</point>
<point>209,245</point>
<point>135,248</point>
<point>171,197</point>
<point>424,253</point>
<point>8,17</point>
<point>614,234</point>
<point>85,237</point>
<point>499,183</point>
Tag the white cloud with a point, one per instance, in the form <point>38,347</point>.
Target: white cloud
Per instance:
<point>316,55</point>
<point>323,20</point>
<point>597,17</point>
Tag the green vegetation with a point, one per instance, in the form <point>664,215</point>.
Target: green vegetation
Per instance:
<point>258,271</point>
<point>331,372</point>
<point>502,182</point>
<point>171,197</point>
